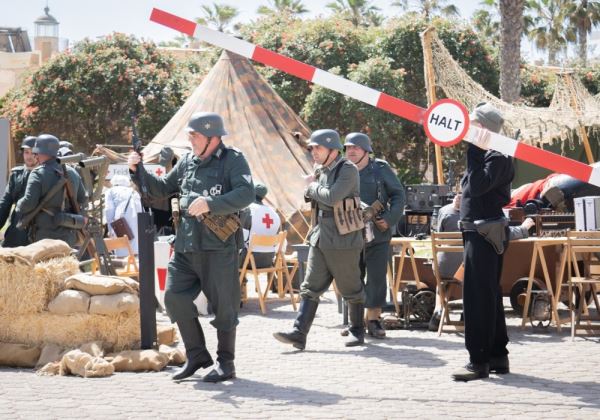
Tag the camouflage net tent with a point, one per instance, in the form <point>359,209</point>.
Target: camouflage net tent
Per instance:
<point>259,123</point>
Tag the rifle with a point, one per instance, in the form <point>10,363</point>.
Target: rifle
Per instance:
<point>137,147</point>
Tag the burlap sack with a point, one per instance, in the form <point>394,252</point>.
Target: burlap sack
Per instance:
<point>139,360</point>
<point>43,250</point>
<point>8,256</point>
<point>114,304</point>
<point>70,302</point>
<point>176,356</point>
<point>51,353</point>
<point>49,369</point>
<point>134,284</point>
<point>165,334</point>
<point>19,355</point>
<point>97,284</point>
<point>93,348</point>
<point>82,364</point>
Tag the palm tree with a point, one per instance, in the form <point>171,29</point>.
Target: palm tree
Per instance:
<point>511,32</point>
<point>486,22</point>
<point>218,15</point>
<point>293,7</point>
<point>359,12</point>
<point>427,8</point>
<point>583,17</point>
<point>551,31</point>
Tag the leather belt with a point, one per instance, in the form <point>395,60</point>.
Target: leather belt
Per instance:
<point>466,226</point>
<point>325,214</point>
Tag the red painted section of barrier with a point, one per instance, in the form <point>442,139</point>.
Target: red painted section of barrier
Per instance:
<point>553,162</point>
<point>285,64</point>
<point>174,22</point>
<point>401,108</point>
<point>162,278</point>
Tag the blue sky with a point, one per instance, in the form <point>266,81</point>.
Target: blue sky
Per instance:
<point>83,18</point>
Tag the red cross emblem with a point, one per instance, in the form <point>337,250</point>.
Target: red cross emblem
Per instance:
<point>267,221</point>
<point>158,172</point>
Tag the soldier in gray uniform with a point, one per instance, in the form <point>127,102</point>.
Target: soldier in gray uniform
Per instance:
<point>380,188</point>
<point>212,180</point>
<point>58,219</point>
<point>331,255</point>
<point>14,191</point>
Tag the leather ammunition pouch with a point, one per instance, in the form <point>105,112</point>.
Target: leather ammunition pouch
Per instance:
<point>69,220</point>
<point>222,225</point>
<point>348,215</point>
<point>495,232</point>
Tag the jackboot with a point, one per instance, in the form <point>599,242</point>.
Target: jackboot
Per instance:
<point>499,365</point>
<point>472,371</point>
<point>195,348</point>
<point>357,325</point>
<point>305,318</point>
<point>225,369</point>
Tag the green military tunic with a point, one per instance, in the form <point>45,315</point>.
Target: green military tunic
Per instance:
<point>202,262</point>
<point>331,255</point>
<point>40,182</point>
<point>378,182</point>
<point>15,189</point>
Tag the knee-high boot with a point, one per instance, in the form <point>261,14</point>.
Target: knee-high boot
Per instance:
<point>225,369</point>
<point>357,325</point>
<point>195,347</point>
<point>305,318</point>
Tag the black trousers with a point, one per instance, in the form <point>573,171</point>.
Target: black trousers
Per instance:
<point>485,323</point>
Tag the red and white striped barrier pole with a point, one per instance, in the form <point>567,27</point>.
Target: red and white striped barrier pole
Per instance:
<point>393,105</point>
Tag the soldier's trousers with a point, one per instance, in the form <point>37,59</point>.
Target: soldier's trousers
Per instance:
<point>485,323</point>
<point>213,272</point>
<point>374,263</point>
<point>324,265</point>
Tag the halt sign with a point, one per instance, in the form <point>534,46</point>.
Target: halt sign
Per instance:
<point>446,122</point>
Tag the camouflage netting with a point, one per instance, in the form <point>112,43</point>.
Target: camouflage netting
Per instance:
<point>572,105</point>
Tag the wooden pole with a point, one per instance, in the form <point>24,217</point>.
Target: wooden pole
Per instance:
<point>430,87</point>
<point>575,105</point>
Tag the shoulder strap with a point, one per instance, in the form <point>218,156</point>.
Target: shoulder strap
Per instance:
<point>336,172</point>
<point>378,180</point>
<point>222,180</point>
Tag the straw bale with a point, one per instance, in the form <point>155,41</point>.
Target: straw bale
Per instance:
<point>119,332</point>
<point>25,289</point>
<point>85,365</point>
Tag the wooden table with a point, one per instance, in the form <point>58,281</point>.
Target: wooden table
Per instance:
<point>538,254</point>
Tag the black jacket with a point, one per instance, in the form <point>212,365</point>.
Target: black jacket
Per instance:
<point>485,184</point>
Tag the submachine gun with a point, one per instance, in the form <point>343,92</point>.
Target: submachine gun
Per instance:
<point>93,173</point>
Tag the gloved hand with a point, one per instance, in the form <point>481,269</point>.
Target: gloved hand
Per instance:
<point>479,136</point>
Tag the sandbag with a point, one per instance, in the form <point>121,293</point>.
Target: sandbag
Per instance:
<point>82,364</point>
<point>49,369</point>
<point>139,360</point>
<point>114,304</point>
<point>176,356</point>
<point>165,334</point>
<point>19,355</point>
<point>97,284</point>
<point>51,353</point>
<point>93,348</point>
<point>43,250</point>
<point>70,302</point>
<point>8,256</point>
<point>134,284</point>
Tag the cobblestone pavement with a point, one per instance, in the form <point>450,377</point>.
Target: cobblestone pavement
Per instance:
<point>407,375</point>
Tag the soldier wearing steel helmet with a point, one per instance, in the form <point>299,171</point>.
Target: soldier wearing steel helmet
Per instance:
<point>213,179</point>
<point>58,219</point>
<point>14,191</point>
<point>331,255</point>
<point>378,184</point>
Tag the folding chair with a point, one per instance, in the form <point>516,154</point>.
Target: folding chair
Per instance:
<point>122,242</point>
<point>446,242</point>
<point>279,267</point>
<point>587,246</point>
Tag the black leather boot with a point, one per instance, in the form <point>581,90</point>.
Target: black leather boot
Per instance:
<point>195,348</point>
<point>499,365</point>
<point>357,325</point>
<point>305,318</point>
<point>224,369</point>
<point>472,371</point>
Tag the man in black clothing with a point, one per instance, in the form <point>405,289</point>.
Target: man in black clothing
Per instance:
<point>486,189</point>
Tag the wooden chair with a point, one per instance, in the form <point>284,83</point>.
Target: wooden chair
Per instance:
<point>131,267</point>
<point>279,267</point>
<point>587,246</point>
<point>446,242</point>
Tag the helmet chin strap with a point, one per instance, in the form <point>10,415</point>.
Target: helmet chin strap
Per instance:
<point>361,159</point>
<point>206,147</point>
<point>327,158</point>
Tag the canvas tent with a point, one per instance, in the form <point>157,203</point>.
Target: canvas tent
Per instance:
<point>259,123</point>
